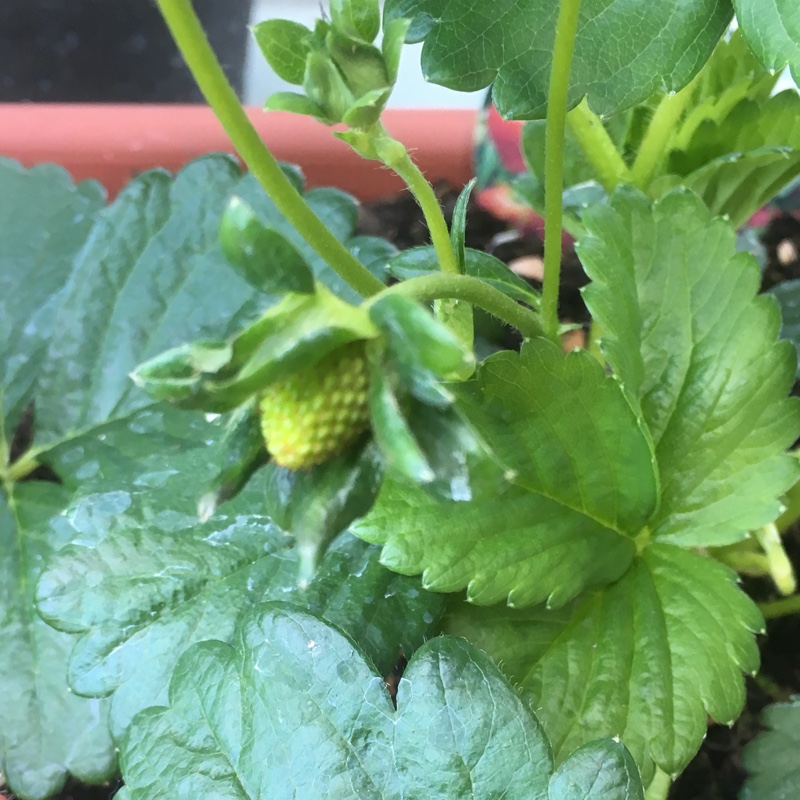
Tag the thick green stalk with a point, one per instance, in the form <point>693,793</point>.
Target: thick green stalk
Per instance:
<point>597,146</point>
<point>566,30</point>
<point>781,608</point>
<point>659,786</point>
<point>395,156</point>
<point>439,285</point>
<point>653,149</point>
<point>196,50</point>
<point>780,567</point>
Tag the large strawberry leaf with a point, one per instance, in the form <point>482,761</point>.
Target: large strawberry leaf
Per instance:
<point>773,758</point>
<point>646,659</point>
<point>45,220</point>
<point>297,711</point>
<point>46,731</point>
<point>161,581</point>
<point>698,354</point>
<point>582,484</point>
<point>79,309</point>
<point>772,29</point>
<point>625,50</point>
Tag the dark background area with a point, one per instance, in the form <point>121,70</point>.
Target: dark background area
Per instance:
<point>109,51</point>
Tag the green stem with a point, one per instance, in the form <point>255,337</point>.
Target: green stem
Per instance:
<point>395,156</point>
<point>21,468</point>
<point>659,786</point>
<point>601,152</point>
<point>566,30</point>
<point>780,567</point>
<point>440,285</point>
<point>196,50</point>
<point>781,608</point>
<point>653,149</point>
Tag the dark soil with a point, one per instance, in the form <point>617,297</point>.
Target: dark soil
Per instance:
<point>716,772</point>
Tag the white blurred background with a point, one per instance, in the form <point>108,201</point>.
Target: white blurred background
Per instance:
<point>411,91</point>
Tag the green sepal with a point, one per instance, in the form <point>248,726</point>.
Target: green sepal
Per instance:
<point>366,111</point>
<point>176,375</point>
<point>296,333</point>
<point>360,64</point>
<point>421,442</point>
<point>360,19</point>
<point>325,87</point>
<point>458,226</point>
<point>318,504</point>
<point>285,45</point>
<point>402,455</point>
<point>417,340</point>
<point>394,37</point>
<point>296,103</point>
<point>262,255</point>
<point>243,453</point>
<point>418,261</point>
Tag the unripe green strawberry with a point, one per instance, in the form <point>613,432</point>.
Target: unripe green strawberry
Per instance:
<point>315,413</point>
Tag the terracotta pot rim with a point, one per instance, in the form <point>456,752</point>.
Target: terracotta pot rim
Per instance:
<point>113,143</point>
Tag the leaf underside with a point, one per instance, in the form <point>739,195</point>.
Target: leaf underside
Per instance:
<point>624,51</point>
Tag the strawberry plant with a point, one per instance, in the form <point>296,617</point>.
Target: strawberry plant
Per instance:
<point>272,529</point>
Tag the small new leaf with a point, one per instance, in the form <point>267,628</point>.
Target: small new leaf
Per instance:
<point>285,45</point>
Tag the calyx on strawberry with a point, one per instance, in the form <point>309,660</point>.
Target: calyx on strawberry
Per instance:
<point>317,412</point>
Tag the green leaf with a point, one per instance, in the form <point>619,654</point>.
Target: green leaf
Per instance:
<point>87,306</point>
<point>394,36</point>
<point>160,580</point>
<point>264,258</point>
<point>583,486</point>
<point>696,351</point>
<point>645,659</point>
<point>360,19</point>
<point>772,758</point>
<point>45,220</point>
<point>788,296</point>
<point>285,45</point>
<point>47,732</point>
<point>469,45</point>
<point>418,261</point>
<point>326,725</point>
<point>602,769</point>
<point>731,75</point>
<point>297,333</point>
<point>739,184</point>
<point>421,345</point>
<point>151,275</point>
<point>773,32</point>
<point>739,161</point>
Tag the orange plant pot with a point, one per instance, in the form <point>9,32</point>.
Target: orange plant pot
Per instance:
<point>114,143</point>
